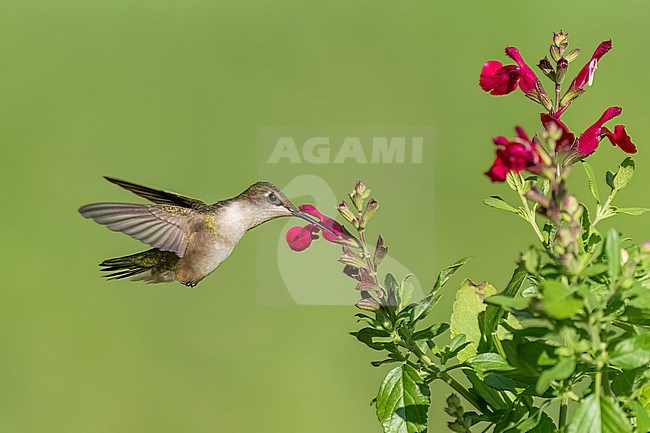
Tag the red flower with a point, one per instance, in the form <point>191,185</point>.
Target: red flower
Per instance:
<point>586,74</point>
<point>567,140</point>
<point>501,80</point>
<point>498,79</point>
<point>516,155</point>
<point>590,139</point>
<point>527,78</point>
<point>300,238</point>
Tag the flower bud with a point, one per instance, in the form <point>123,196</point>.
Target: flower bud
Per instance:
<point>368,304</point>
<point>362,189</point>
<point>562,67</point>
<point>346,212</point>
<point>371,209</point>
<point>561,40</point>
<point>555,53</point>
<point>547,68</point>
<point>545,101</point>
<point>573,54</point>
<point>571,95</point>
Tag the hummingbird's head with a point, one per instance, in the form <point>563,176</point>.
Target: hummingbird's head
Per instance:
<point>269,202</point>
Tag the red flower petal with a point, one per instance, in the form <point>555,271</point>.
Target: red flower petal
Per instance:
<point>299,238</point>
<point>516,155</point>
<point>498,171</point>
<point>589,140</point>
<point>620,138</point>
<point>528,79</point>
<point>586,74</point>
<point>498,79</point>
<point>326,221</point>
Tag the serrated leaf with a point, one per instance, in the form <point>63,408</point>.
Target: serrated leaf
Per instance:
<point>464,318</point>
<point>631,210</point>
<point>368,337</point>
<point>613,254</point>
<point>559,301</point>
<point>491,396</point>
<point>446,273</point>
<point>403,401</point>
<point>624,174</point>
<point>599,415</point>
<point>497,202</point>
<point>591,178</point>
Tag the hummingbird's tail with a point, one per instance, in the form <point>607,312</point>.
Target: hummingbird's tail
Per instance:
<point>154,266</point>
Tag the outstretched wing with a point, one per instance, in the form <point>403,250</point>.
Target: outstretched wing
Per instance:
<point>158,196</point>
<point>162,226</point>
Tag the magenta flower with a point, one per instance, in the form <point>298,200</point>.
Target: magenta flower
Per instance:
<point>498,79</point>
<point>300,238</point>
<point>586,74</point>
<point>590,139</point>
<point>527,78</point>
<point>515,155</point>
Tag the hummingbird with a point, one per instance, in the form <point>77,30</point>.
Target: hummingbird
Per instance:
<point>190,238</point>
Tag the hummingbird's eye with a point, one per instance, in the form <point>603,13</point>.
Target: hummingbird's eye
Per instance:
<point>273,199</point>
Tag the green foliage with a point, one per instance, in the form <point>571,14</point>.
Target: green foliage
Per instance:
<point>403,401</point>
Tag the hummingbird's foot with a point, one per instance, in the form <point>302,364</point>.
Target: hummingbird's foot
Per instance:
<point>189,283</point>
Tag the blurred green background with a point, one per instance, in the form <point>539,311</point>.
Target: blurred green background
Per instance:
<point>172,94</point>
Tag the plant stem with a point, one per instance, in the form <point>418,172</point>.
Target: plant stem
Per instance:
<point>564,408</point>
<point>445,377</point>
<point>530,215</point>
<point>557,98</point>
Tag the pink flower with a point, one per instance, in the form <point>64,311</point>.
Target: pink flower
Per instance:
<point>498,79</point>
<point>300,238</point>
<point>512,155</point>
<point>501,80</point>
<point>590,139</point>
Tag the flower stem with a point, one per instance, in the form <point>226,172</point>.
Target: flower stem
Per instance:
<point>530,214</point>
<point>564,409</point>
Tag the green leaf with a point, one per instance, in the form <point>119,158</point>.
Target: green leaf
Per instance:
<point>390,284</point>
<point>423,308</point>
<point>613,254</point>
<point>404,293</point>
<point>624,174</point>
<point>599,415</point>
<point>562,370</point>
<point>642,416</point>
<point>369,336</point>
<point>485,362</point>
<point>498,203</point>
<point>446,273</point>
<point>516,303</point>
<point>559,301</point>
<point>494,314</point>
<point>464,318</point>
<point>591,178</point>
<point>631,210</point>
<point>632,352</point>
<point>431,332</point>
<point>403,401</point>
<point>491,396</point>
<point>609,178</point>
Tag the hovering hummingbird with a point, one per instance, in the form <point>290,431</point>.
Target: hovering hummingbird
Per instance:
<point>190,238</point>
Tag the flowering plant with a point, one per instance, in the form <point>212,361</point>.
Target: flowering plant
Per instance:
<point>564,346</point>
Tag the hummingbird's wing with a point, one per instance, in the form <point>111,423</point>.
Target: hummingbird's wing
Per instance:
<point>158,196</point>
<point>162,226</point>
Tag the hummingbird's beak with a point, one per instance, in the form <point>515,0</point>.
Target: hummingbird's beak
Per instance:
<point>312,220</point>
